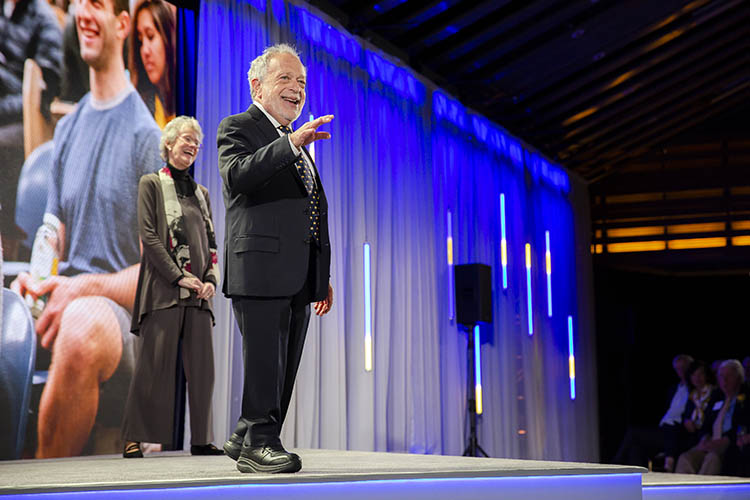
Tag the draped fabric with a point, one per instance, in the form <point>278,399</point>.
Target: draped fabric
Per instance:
<point>392,172</point>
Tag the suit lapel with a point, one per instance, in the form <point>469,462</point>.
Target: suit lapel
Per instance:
<point>264,124</point>
<point>271,134</point>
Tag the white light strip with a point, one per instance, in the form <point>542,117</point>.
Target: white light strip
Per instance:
<point>503,242</point>
<point>368,309</point>
<point>528,288</point>
<point>548,265</point>
<point>571,359</point>
<point>477,371</point>
<point>449,250</point>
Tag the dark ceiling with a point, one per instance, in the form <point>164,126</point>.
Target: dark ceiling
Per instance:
<point>591,83</point>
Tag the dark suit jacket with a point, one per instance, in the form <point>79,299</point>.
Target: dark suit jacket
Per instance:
<point>739,417</point>
<point>267,242</point>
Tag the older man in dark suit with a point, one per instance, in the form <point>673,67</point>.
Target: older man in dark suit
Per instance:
<point>277,249</point>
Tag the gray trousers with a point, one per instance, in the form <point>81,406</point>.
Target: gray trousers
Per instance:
<point>149,411</point>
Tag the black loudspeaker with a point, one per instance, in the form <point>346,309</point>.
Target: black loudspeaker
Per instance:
<point>473,294</point>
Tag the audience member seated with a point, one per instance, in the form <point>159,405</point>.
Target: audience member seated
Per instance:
<point>721,423</point>
<point>737,457</point>
<point>703,395</point>
<point>640,443</point>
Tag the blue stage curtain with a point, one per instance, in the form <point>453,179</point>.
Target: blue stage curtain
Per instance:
<point>187,58</point>
<point>392,170</point>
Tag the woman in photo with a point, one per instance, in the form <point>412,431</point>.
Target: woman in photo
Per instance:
<point>152,57</point>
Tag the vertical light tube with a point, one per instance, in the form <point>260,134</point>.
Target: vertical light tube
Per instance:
<point>503,242</point>
<point>368,310</point>
<point>528,288</point>
<point>311,147</point>
<point>477,371</point>
<point>449,251</point>
<point>571,359</point>
<point>548,266</point>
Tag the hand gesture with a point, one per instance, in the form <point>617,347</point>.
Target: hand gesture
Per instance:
<point>308,132</point>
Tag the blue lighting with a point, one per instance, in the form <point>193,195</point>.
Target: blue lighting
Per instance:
<point>484,130</point>
<point>400,79</point>
<point>548,172</point>
<point>528,288</point>
<point>449,250</point>
<point>477,371</point>
<point>503,242</point>
<point>446,108</point>
<point>699,491</point>
<point>570,486</point>
<point>368,309</point>
<point>337,43</point>
<point>548,271</point>
<point>571,359</point>
<point>258,4</point>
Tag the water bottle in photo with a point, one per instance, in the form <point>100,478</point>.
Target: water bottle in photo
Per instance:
<point>44,259</point>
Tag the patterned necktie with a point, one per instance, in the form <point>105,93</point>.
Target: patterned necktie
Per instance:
<point>305,173</point>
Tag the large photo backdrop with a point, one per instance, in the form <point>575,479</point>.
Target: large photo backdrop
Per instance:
<point>411,173</point>
<point>68,182</point>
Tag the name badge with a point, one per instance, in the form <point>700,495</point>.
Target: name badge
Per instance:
<point>718,405</point>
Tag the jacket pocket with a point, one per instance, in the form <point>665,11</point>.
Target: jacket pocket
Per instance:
<point>256,243</point>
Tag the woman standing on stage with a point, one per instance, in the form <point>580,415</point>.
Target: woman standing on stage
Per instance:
<point>172,311</point>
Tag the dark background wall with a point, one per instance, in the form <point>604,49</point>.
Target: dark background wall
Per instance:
<point>643,321</point>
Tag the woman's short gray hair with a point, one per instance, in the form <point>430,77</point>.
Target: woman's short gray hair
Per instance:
<point>173,129</point>
<point>259,66</point>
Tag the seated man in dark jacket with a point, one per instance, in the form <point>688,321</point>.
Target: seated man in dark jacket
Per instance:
<point>640,443</point>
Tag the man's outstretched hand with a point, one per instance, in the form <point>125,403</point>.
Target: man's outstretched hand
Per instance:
<point>308,133</point>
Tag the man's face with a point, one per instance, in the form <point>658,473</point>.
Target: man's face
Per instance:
<point>100,32</point>
<point>282,91</point>
<point>729,381</point>
<point>680,367</point>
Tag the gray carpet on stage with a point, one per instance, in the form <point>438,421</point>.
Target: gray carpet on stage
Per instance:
<point>172,469</point>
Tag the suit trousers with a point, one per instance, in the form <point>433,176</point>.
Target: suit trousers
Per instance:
<point>273,337</point>
<point>149,411</point>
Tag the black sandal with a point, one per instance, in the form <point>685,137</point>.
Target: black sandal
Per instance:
<point>132,450</point>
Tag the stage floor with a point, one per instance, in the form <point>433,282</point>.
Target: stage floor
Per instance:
<point>344,474</point>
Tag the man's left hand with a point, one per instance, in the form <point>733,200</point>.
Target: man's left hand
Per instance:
<point>325,305</point>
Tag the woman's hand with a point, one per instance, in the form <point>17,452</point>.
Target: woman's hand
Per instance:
<point>207,291</point>
<point>191,283</point>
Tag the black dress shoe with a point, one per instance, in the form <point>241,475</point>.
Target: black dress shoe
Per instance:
<point>268,459</point>
<point>205,449</point>
<point>233,448</point>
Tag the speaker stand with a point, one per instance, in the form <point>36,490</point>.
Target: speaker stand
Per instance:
<point>473,449</point>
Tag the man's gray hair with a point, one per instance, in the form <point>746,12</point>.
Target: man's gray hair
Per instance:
<point>682,357</point>
<point>733,363</point>
<point>173,129</point>
<point>259,66</point>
